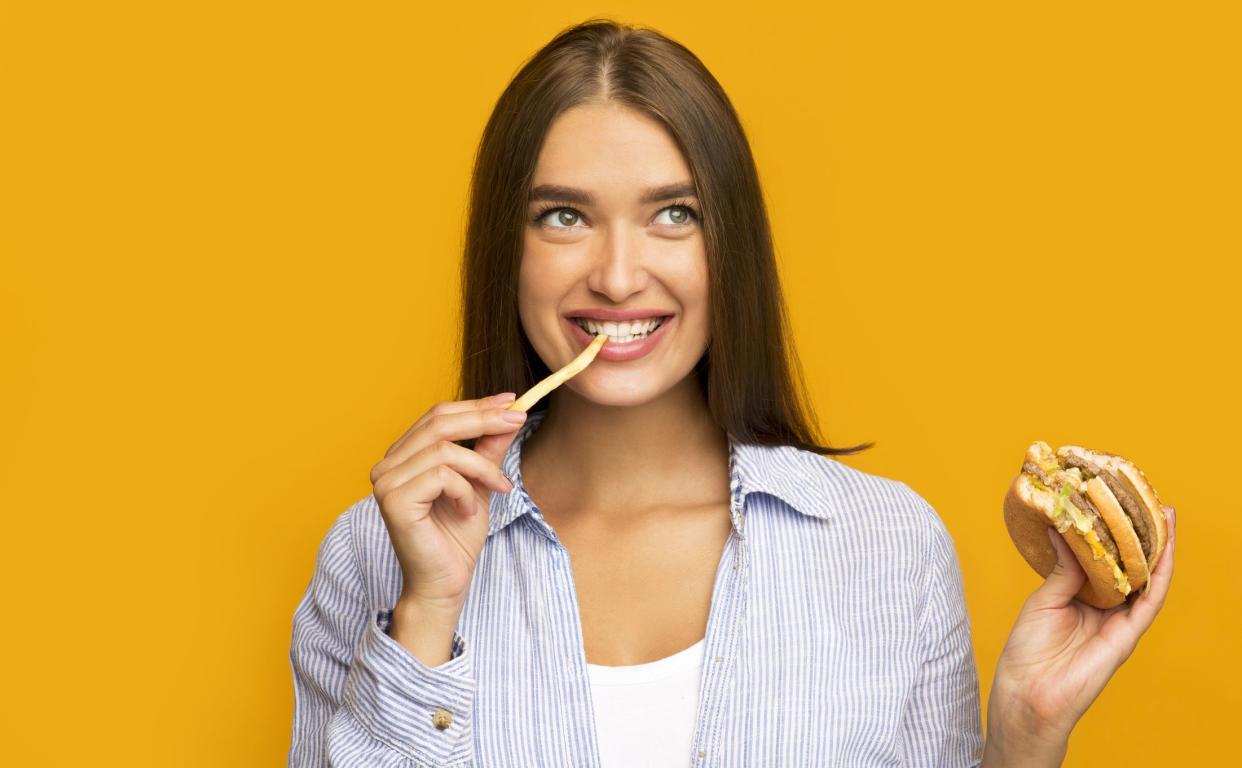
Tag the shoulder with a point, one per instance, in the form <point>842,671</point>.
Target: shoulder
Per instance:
<point>861,538</point>
<point>838,491</point>
<point>863,502</point>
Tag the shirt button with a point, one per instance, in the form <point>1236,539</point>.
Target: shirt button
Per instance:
<point>442,718</point>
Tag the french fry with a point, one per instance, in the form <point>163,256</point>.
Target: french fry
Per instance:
<point>572,369</point>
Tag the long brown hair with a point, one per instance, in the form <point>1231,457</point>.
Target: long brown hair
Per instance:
<point>750,375</point>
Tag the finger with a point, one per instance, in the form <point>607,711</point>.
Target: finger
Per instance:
<point>1148,604</point>
<point>462,460</point>
<point>458,425</point>
<point>420,492</point>
<point>494,447</point>
<point>453,406</point>
<point>459,489</point>
<point>1170,515</point>
<point>1063,582</point>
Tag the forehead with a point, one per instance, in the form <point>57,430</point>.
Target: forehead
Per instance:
<point>608,145</point>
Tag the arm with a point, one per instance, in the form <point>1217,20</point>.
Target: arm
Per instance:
<point>941,724</point>
<point>360,697</point>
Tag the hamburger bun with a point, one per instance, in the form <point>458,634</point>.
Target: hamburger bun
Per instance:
<point>1102,506</point>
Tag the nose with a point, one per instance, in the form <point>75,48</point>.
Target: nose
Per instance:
<point>618,269</point>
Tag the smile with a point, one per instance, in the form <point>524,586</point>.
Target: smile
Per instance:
<point>628,340</point>
<point>623,332</point>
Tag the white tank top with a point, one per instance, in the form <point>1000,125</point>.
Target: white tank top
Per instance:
<point>645,713</point>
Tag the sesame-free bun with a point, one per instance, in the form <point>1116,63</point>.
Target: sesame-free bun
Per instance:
<point>1028,514</point>
<point>1101,505</point>
<point>1132,559</point>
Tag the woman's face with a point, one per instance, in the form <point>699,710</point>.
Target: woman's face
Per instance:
<point>617,234</point>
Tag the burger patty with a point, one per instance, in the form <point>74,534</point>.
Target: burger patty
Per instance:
<point>1098,525</point>
<point>1031,468</point>
<point>1135,509</point>
<point>1087,508</point>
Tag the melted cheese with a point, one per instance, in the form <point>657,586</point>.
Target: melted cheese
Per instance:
<point>1066,514</point>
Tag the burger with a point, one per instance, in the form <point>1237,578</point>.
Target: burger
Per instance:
<point>1104,508</point>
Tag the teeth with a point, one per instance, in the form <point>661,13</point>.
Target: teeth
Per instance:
<point>619,333</point>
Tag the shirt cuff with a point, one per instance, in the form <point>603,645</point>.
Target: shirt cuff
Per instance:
<point>400,700</point>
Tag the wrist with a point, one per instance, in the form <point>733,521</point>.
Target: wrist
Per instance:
<point>438,613</point>
<point>1002,749</point>
<point>1019,736</point>
<point>425,629</point>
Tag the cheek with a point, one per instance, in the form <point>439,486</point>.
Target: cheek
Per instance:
<point>697,298</point>
<point>533,277</point>
<point>541,287</point>
<point>691,282</point>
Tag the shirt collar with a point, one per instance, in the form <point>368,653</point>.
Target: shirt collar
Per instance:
<point>794,476</point>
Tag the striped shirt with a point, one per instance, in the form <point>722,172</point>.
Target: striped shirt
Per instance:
<point>837,635</point>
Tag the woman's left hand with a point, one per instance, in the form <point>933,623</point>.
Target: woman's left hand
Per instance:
<point>1059,656</point>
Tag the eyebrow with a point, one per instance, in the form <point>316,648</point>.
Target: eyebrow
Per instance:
<point>559,193</point>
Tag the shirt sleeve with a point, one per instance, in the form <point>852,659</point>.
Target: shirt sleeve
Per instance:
<point>941,725</point>
<point>360,697</point>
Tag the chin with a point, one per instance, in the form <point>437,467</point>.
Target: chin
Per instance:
<point>627,388</point>
<point>615,392</point>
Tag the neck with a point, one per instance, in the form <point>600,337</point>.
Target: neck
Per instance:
<point>600,459</point>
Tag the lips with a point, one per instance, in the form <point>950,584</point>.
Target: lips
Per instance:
<point>615,352</point>
<point>619,315</point>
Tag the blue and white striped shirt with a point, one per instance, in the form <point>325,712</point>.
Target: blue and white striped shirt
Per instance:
<point>837,635</point>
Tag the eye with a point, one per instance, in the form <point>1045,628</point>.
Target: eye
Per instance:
<point>679,215</point>
<point>565,217</point>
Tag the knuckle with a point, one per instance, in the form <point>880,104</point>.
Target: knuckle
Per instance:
<point>381,488</point>
<point>436,426</point>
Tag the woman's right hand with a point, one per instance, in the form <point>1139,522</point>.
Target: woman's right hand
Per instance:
<point>434,495</point>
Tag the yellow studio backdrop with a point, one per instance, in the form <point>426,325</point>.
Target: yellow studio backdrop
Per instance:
<point>230,235</point>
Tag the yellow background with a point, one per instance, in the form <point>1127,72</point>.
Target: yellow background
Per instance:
<point>230,236</point>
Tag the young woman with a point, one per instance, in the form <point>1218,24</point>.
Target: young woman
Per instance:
<point>661,566</point>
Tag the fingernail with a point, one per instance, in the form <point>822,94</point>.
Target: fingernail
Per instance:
<point>509,477</point>
<point>505,397</point>
<point>514,417</point>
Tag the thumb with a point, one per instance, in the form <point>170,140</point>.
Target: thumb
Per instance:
<point>1064,581</point>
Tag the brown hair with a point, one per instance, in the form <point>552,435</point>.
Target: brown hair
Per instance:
<point>750,375</point>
